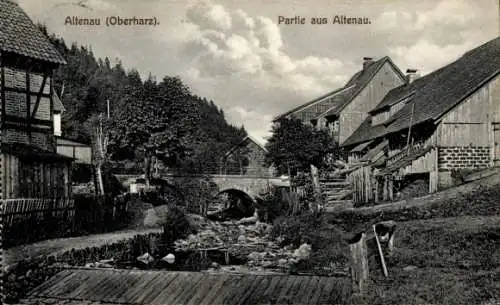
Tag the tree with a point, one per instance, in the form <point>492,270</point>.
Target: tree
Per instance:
<point>97,127</point>
<point>294,147</point>
<point>150,119</point>
<point>157,122</point>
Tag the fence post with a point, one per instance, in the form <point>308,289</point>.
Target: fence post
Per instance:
<point>316,187</point>
<point>359,262</point>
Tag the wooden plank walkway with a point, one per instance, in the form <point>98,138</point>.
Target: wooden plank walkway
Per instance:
<point>119,286</point>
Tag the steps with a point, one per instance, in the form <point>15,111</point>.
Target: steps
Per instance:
<point>337,192</point>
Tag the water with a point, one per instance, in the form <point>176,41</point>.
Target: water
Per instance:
<point>186,261</point>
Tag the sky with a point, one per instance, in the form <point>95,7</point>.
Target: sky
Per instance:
<point>236,54</point>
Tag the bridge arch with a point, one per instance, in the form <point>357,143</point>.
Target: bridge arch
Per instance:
<point>238,203</point>
<point>244,194</point>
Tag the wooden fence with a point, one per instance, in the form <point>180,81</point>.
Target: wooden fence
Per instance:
<point>23,209</point>
<point>361,180</point>
<point>28,220</point>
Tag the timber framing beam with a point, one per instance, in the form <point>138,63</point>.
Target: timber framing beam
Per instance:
<point>28,98</point>
<point>23,91</point>
<point>22,127</point>
<point>2,84</point>
<point>39,96</point>
<point>51,100</point>
<point>21,120</point>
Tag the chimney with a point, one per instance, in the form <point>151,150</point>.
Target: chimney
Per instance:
<point>367,61</point>
<point>411,75</point>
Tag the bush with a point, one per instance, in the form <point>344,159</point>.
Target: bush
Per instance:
<point>273,206</point>
<point>328,244</point>
<point>176,226</point>
<point>295,230</point>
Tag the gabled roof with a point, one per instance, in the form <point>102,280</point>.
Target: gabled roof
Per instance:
<point>19,35</point>
<point>335,101</point>
<point>447,87</point>
<point>245,139</point>
<point>308,104</point>
<point>358,82</point>
<point>436,93</point>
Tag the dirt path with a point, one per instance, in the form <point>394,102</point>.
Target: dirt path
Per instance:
<point>60,245</point>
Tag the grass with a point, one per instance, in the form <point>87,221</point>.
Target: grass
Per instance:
<point>483,201</point>
<point>451,244</point>
<point>458,262</point>
<point>454,260</point>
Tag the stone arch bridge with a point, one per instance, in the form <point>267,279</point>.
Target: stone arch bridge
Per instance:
<point>253,186</point>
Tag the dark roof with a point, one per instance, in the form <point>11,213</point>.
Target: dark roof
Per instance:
<point>361,147</point>
<point>246,139</point>
<point>19,35</point>
<point>310,103</point>
<point>436,93</point>
<point>396,95</point>
<point>339,101</point>
<point>32,152</point>
<point>450,85</point>
<point>340,98</point>
<point>364,133</point>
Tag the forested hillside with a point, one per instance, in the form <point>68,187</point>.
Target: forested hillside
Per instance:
<point>148,118</point>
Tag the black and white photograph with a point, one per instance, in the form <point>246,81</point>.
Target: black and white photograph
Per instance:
<point>229,152</point>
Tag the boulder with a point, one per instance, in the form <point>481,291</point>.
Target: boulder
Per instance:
<point>169,258</point>
<point>155,217</point>
<point>146,258</point>
<point>410,268</point>
<point>303,252</point>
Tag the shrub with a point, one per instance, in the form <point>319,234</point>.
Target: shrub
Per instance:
<point>176,225</point>
<point>273,205</point>
<point>329,248</point>
<point>295,230</point>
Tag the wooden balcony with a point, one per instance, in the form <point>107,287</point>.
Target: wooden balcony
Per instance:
<point>405,152</point>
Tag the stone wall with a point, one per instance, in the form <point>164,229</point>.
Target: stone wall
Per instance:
<point>464,157</point>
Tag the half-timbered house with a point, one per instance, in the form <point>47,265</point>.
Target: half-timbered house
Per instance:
<point>30,165</point>
<point>432,127</point>
<point>343,110</point>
